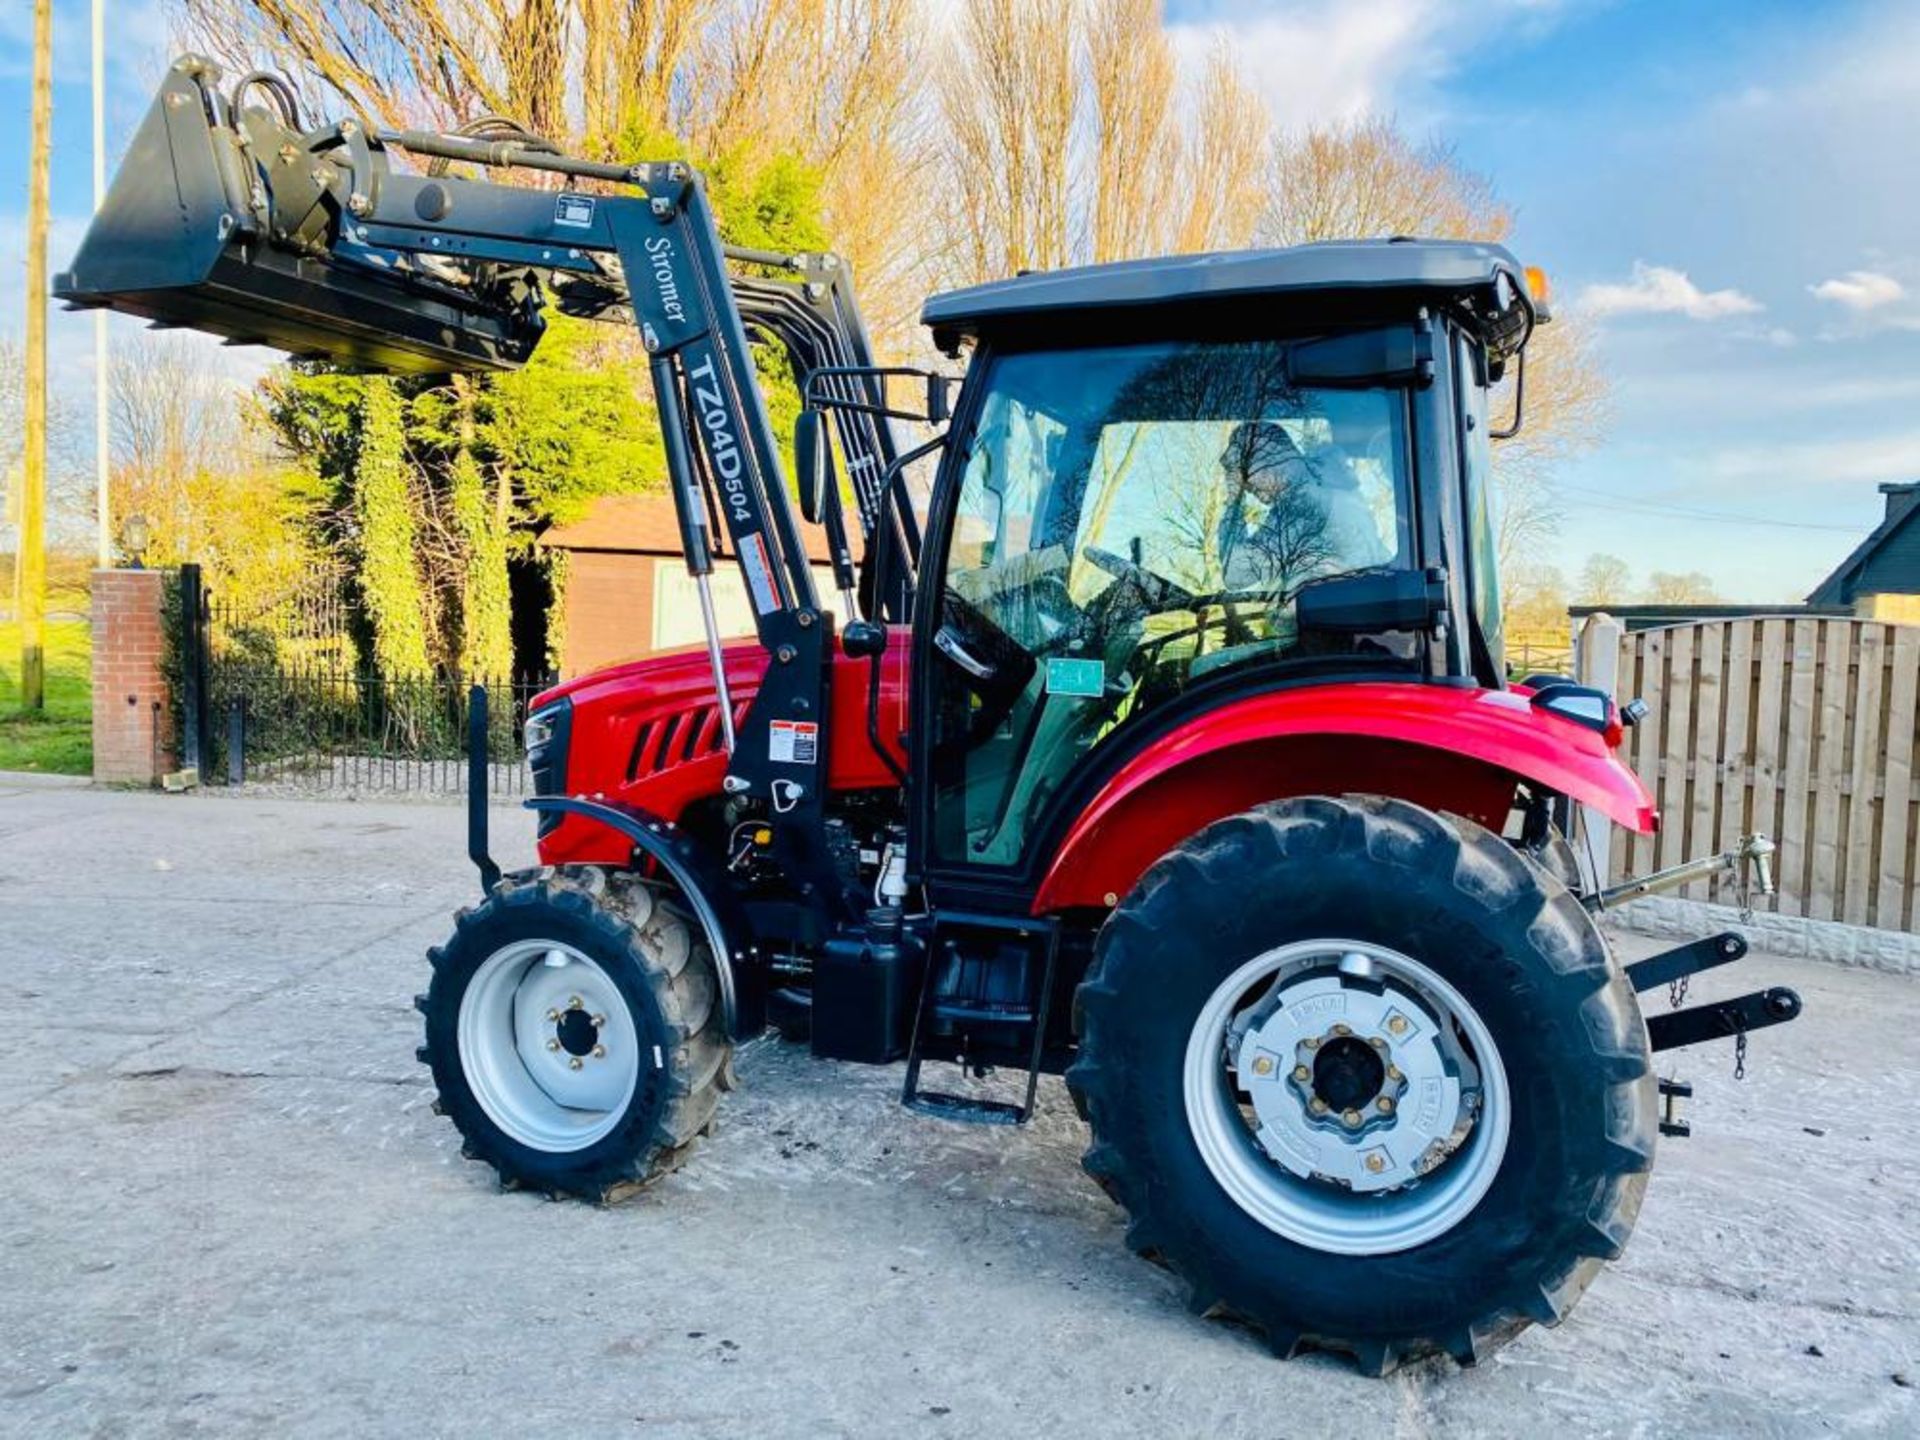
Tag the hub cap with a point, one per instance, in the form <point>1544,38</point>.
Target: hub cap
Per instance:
<point>548,1046</point>
<point>1346,1097</point>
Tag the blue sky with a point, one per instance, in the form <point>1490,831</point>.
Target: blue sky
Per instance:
<point>1727,190</point>
<point>1758,151</point>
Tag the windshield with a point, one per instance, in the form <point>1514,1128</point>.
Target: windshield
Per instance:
<point>1134,519</point>
<point>1174,480</point>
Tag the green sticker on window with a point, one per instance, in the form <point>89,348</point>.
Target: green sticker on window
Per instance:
<point>1076,677</point>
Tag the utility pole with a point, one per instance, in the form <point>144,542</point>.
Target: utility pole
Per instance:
<point>33,494</point>
<point>103,512</point>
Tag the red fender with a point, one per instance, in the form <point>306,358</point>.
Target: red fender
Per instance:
<point>1445,748</point>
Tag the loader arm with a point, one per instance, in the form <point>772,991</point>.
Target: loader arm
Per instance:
<point>230,218</point>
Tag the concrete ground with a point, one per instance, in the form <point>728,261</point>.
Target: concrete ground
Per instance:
<point>226,1208</point>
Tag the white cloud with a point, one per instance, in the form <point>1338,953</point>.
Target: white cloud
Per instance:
<point>1860,290</point>
<point>1847,460</point>
<point>1322,61</point>
<point>1662,290</point>
<point>1359,53</point>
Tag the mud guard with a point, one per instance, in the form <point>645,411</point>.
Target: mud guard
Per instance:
<point>706,890</point>
<point>1446,748</point>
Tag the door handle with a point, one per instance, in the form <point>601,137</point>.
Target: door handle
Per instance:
<point>949,644</point>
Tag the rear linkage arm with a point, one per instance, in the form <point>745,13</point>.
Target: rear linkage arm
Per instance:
<point>1731,1019</point>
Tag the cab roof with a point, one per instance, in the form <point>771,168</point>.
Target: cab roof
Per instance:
<point>1434,272</point>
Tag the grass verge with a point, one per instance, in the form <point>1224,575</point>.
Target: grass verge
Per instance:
<point>58,740</point>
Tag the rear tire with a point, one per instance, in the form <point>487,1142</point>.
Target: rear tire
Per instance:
<point>1431,914</point>
<point>574,1030</point>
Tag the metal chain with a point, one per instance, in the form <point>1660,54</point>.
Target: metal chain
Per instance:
<point>1677,992</point>
<point>1739,1050</point>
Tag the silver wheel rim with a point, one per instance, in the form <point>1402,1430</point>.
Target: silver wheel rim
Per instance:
<point>548,1046</point>
<point>1296,1026</point>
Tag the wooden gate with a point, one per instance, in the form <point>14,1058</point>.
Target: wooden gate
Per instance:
<point>1803,729</point>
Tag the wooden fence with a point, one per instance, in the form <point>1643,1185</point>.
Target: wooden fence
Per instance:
<point>1804,729</point>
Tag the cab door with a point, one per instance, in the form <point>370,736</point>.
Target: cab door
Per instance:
<point>1120,528</point>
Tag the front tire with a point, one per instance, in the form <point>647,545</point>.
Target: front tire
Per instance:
<point>1365,1078</point>
<point>574,1031</point>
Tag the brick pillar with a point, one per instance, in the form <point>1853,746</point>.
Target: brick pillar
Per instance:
<point>132,710</point>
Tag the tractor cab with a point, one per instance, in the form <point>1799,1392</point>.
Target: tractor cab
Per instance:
<point>1172,483</point>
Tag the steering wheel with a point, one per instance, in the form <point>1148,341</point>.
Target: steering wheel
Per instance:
<point>1159,592</point>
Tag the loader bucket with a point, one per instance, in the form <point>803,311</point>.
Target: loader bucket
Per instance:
<point>190,236</point>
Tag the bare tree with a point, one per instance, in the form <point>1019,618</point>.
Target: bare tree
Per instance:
<point>1604,580</point>
<point>1061,119</point>
<point>69,457</point>
<point>1534,600</point>
<point>836,83</point>
<point>1007,98</point>
<point>1226,155</point>
<point>1364,178</point>
<point>434,62</point>
<point>1131,76</point>
<point>1691,587</point>
<point>184,451</point>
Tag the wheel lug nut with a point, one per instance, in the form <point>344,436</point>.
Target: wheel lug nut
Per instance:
<point>1349,1117</point>
<point>1393,1072</point>
<point>574,1003</point>
<point>1375,1163</point>
<point>553,1015</point>
<point>599,1052</point>
<point>597,1021</point>
<point>1301,1073</point>
<point>1376,1042</point>
<point>1263,1065</point>
<point>1384,1104</point>
<point>1397,1024</point>
<point>1313,1042</point>
<point>553,1044</point>
<point>574,1063</point>
<point>1342,1030</point>
<point>1317,1105</point>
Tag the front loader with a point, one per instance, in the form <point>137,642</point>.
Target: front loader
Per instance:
<point>1164,743</point>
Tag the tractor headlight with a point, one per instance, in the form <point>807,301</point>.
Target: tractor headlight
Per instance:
<point>540,728</point>
<point>546,733</point>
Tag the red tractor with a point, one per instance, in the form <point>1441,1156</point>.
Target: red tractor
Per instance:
<point>1165,743</point>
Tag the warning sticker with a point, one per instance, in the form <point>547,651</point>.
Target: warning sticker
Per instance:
<point>1084,678</point>
<point>759,568</point>
<point>794,742</point>
<point>574,210</point>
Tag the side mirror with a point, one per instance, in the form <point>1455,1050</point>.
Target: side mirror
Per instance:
<point>1373,601</point>
<point>939,411</point>
<point>813,461</point>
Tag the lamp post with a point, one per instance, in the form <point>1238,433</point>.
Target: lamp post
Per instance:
<point>103,515</point>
